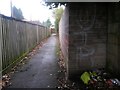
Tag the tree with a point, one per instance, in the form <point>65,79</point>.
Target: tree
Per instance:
<point>17,13</point>
<point>47,23</point>
<point>57,15</point>
<point>54,4</point>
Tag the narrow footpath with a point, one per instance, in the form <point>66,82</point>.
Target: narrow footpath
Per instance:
<point>41,70</point>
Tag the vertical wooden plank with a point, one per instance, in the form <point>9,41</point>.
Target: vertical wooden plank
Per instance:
<point>11,37</point>
<point>8,42</point>
<point>40,33</point>
<point>0,47</point>
<point>17,39</point>
<point>26,37</point>
<point>13,40</point>
<point>5,35</point>
<point>4,44</point>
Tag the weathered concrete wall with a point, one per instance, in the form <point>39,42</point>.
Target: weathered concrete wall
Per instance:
<point>113,43</point>
<point>63,34</point>
<point>87,36</point>
<point>94,37</point>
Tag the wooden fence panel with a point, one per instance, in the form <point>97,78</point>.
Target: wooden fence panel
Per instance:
<point>0,46</point>
<point>18,38</point>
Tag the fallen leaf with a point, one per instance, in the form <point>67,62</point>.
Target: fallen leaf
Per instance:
<point>50,74</point>
<point>48,86</point>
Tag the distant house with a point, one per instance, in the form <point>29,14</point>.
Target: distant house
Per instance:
<point>52,29</point>
<point>36,22</point>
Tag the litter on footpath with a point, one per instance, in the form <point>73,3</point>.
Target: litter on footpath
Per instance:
<point>85,77</point>
<point>99,80</point>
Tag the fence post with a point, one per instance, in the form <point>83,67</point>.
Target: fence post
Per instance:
<point>0,47</point>
<point>37,35</point>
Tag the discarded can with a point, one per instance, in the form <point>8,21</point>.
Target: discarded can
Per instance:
<point>113,81</point>
<point>118,82</point>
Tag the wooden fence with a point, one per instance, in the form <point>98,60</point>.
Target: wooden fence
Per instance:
<point>17,38</point>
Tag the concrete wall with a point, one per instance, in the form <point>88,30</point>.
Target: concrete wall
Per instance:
<point>87,36</point>
<point>63,34</point>
<point>86,24</point>
<point>94,37</point>
<point>113,43</point>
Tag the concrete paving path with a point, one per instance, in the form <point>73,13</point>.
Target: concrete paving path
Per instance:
<point>41,70</point>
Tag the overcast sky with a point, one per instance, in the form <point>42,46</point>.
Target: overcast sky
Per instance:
<point>32,9</point>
